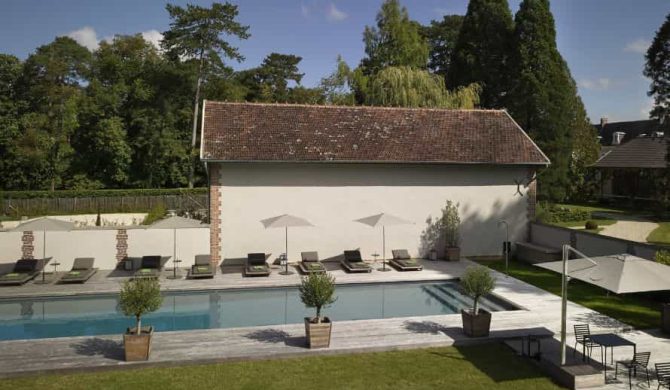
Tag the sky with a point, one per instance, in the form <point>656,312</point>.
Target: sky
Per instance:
<point>603,41</point>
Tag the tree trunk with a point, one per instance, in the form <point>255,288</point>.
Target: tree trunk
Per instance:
<point>139,326</point>
<point>475,309</point>
<point>194,135</point>
<point>318,315</point>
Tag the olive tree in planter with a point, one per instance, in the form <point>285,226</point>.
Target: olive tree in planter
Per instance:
<point>138,297</point>
<point>451,223</point>
<point>317,290</point>
<point>477,282</point>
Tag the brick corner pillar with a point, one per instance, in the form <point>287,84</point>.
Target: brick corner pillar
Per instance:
<point>121,245</point>
<point>214,214</point>
<point>27,245</point>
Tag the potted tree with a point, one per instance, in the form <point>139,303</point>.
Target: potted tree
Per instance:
<point>451,223</point>
<point>477,282</point>
<point>317,291</point>
<point>138,297</point>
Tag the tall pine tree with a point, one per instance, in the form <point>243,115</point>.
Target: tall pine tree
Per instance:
<point>544,98</point>
<point>482,51</point>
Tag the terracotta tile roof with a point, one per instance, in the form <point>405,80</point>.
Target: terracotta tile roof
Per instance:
<point>288,132</point>
<point>641,152</point>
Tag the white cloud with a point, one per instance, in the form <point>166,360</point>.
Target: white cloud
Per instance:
<point>153,36</point>
<point>85,36</point>
<point>596,84</point>
<point>88,37</point>
<point>637,46</point>
<point>335,15</point>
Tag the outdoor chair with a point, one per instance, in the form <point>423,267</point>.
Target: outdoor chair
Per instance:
<point>257,265</point>
<point>402,261</point>
<point>582,333</point>
<point>640,361</point>
<point>24,270</point>
<point>150,266</point>
<point>82,270</point>
<point>663,374</point>
<point>353,262</point>
<point>310,263</point>
<point>202,268</point>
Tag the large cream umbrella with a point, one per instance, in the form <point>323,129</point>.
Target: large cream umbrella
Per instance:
<point>174,223</point>
<point>44,224</point>
<point>620,274</point>
<point>383,220</point>
<point>285,221</point>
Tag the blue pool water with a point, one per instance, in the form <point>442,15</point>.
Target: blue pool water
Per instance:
<point>96,315</point>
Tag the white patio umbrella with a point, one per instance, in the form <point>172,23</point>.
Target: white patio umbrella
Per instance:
<point>383,220</point>
<point>619,274</point>
<point>285,221</point>
<point>174,223</point>
<point>44,224</point>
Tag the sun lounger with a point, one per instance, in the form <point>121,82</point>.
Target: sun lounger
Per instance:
<point>82,270</point>
<point>24,270</point>
<point>256,265</point>
<point>202,268</point>
<point>151,266</point>
<point>353,262</point>
<point>310,263</point>
<point>402,261</point>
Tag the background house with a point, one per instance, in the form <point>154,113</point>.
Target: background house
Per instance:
<point>334,164</point>
<point>632,155</point>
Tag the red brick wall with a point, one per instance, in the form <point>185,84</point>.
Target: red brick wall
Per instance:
<point>27,246</point>
<point>121,244</point>
<point>214,214</point>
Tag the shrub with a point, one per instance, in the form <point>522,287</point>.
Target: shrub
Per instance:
<point>663,257</point>
<point>549,213</point>
<point>156,213</point>
<point>477,282</point>
<point>317,290</point>
<point>451,222</point>
<point>591,225</point>
<point>139,297</point>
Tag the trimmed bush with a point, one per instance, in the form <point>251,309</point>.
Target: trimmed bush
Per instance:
<point>477,282</point>
<point>139,297</point>
<point>550,213</point>
<point>317,291</point>
<point>591,225</point>
<point>663,257</point>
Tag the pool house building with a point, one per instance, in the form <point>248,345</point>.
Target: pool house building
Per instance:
<point>332,165</point>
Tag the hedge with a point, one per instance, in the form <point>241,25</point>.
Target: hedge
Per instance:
<point>99,193</point>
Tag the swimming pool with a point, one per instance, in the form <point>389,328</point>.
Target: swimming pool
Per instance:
<point>97,315</point>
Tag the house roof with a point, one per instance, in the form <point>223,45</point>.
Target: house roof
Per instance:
<point>633,129</point>
<point>641,152</point>
<point>240,132</point>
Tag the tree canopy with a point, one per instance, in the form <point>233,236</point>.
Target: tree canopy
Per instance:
<point>657,68</point>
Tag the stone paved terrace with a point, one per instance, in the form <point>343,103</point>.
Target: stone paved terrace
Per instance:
<point>542,312</point>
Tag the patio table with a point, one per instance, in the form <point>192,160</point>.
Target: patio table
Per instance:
<point>609,340</point>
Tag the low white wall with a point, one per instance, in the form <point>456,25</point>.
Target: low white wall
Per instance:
<point>88,220</point>
<point>332,196</point>
<point>64,247</point>
<point>549,236</point>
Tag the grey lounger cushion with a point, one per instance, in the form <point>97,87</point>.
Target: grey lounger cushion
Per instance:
<point>24,270</point>
<point>353,262</point>
<point>401,254</point>
<point>202,268</point>
<point>256,265</point>
<point>82,270</point>
<point>310,263</point>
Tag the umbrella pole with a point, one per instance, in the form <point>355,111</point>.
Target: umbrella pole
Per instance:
<point>286,271</point>
<point>174,252</point>
<point>44,252</point>
<point>383,268</point>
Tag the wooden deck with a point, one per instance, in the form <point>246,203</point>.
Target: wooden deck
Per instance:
<point>541,314</point>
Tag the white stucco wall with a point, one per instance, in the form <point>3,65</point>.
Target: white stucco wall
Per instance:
<point>332,196</point>
<point>64,247</point>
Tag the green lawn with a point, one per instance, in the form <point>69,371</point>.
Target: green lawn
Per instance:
<point>634,310</point>
<point>592,208</point>
<point>478,367</point>
<point>660,235</point>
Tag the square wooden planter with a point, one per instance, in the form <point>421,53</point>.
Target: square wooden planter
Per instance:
<point>476,325</point>
<point>318,334</point>
<point>138,346</point>
<point>453,253</point>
